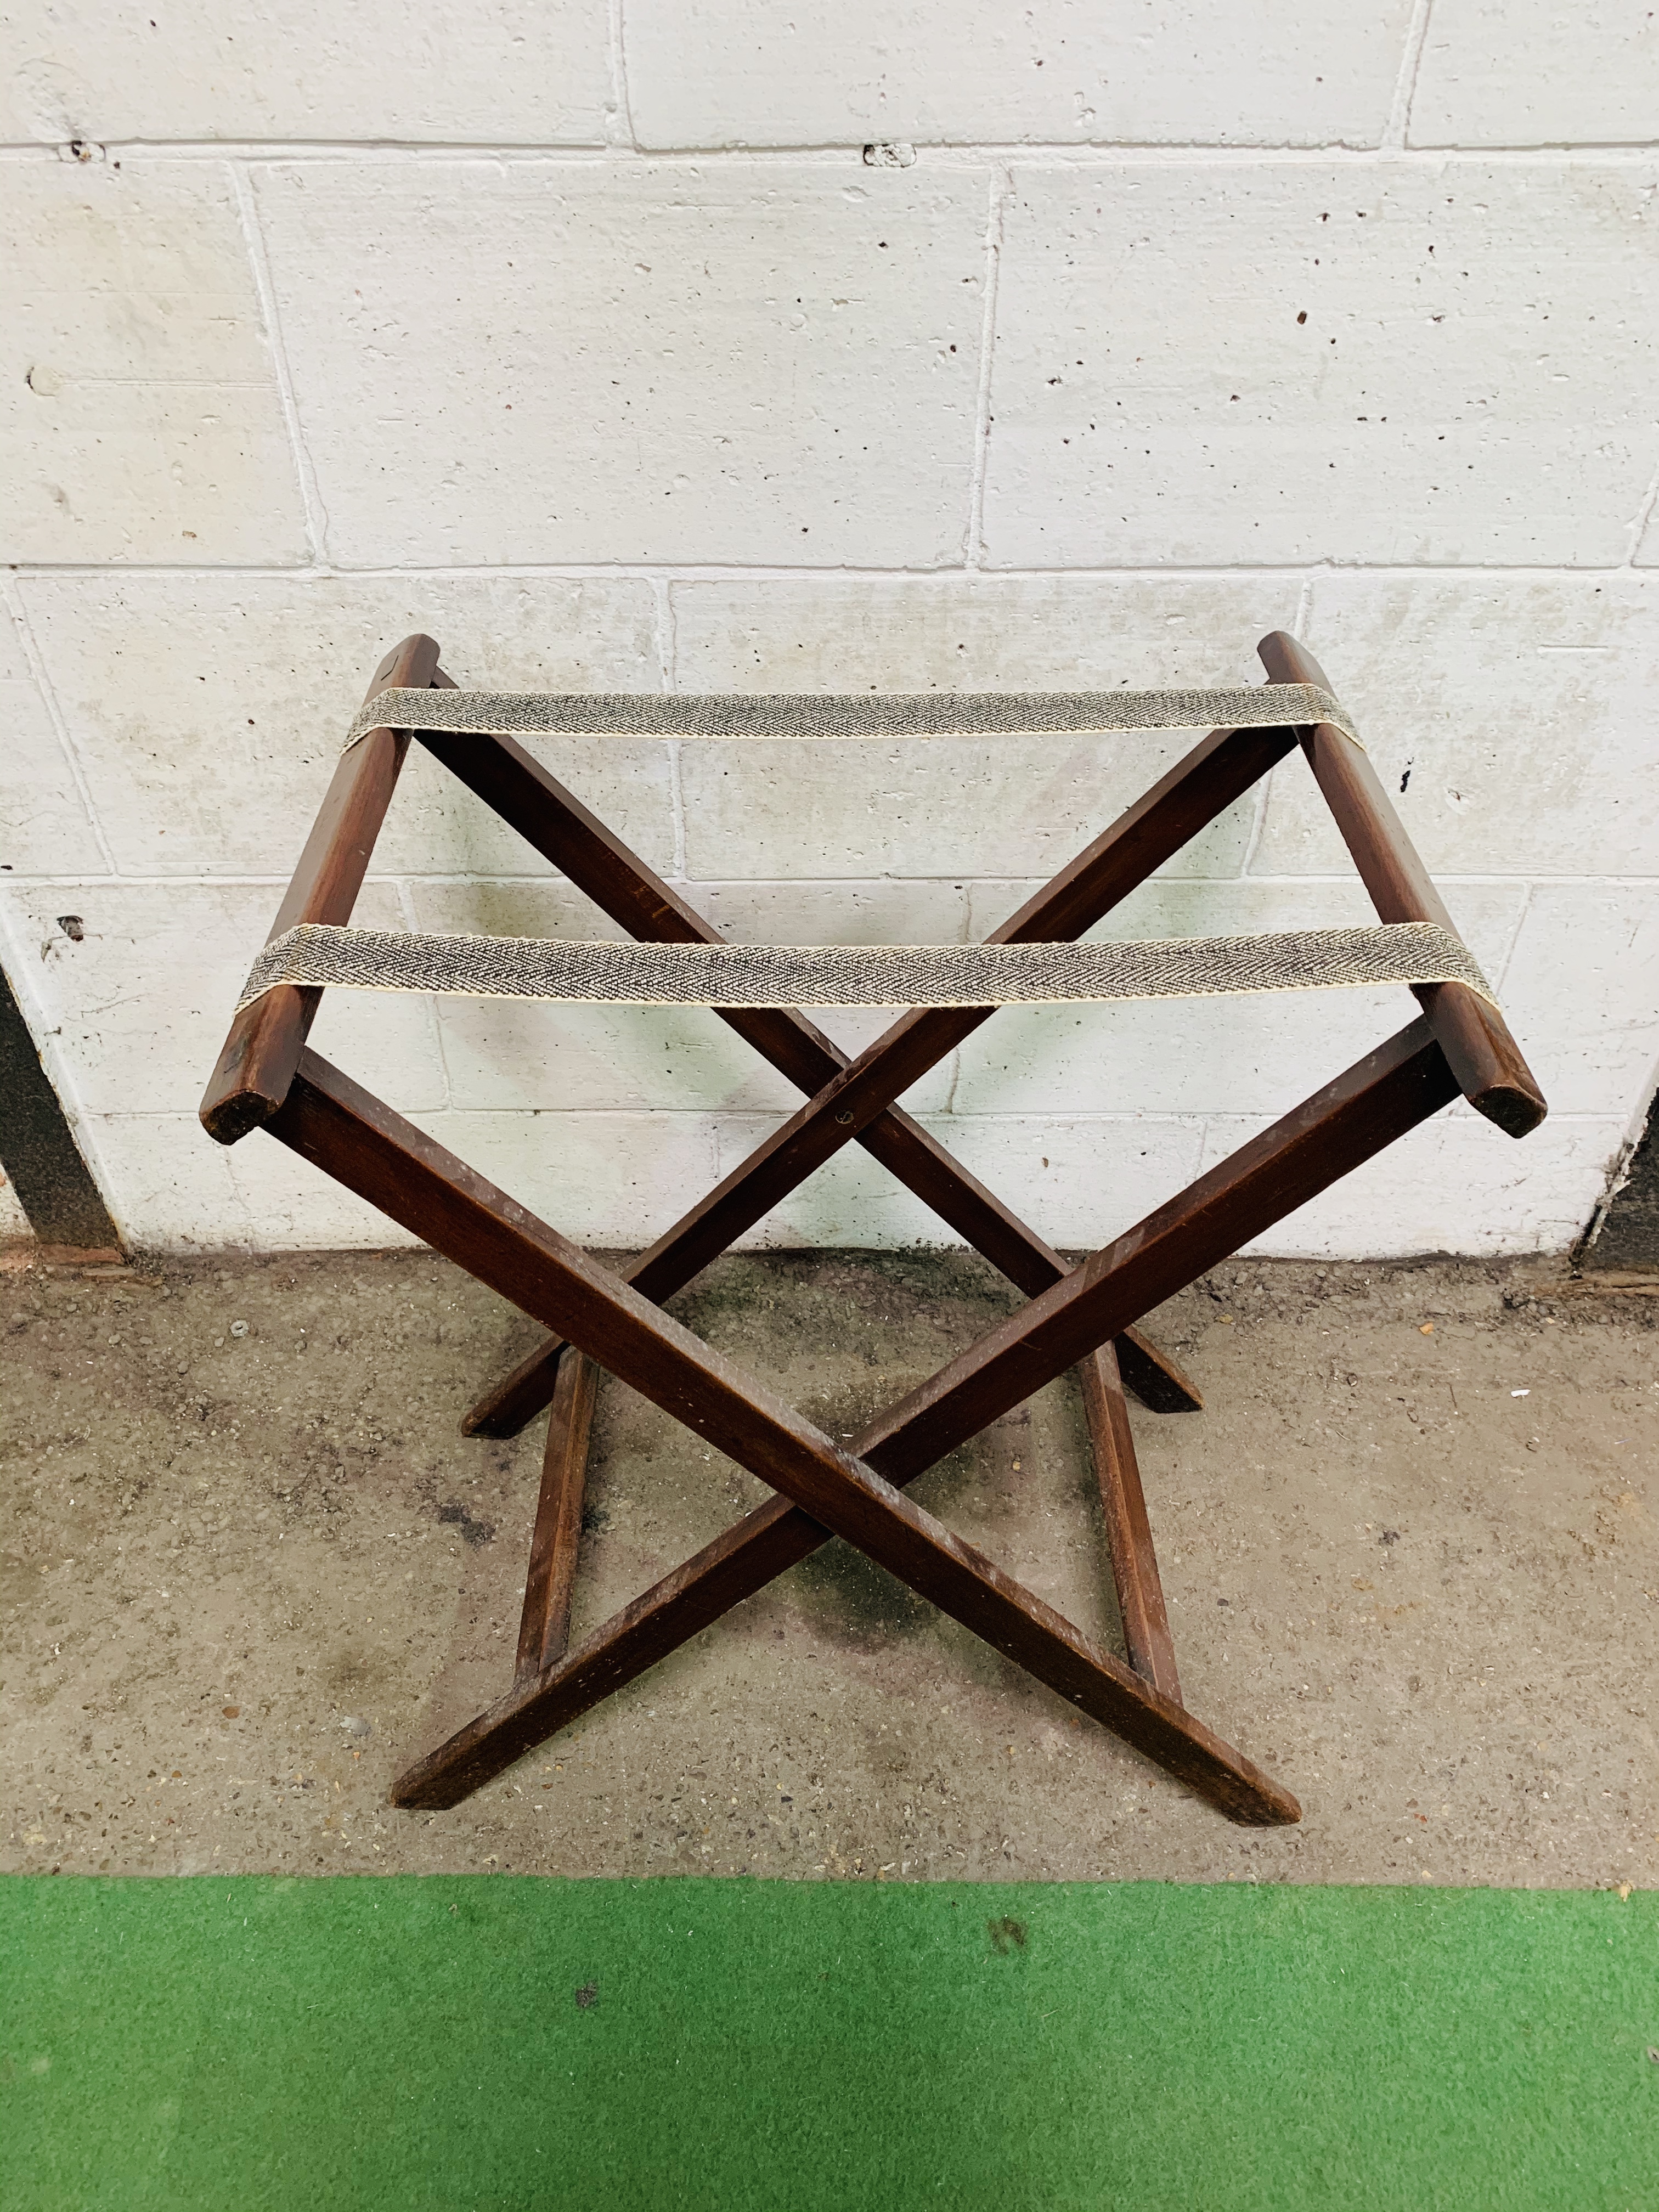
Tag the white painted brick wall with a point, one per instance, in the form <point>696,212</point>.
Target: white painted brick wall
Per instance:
<point>705,73</point>
<point>783,360</point>
<point>585,337</point>
<point>456,72</point>
<point>142,420</point>
<point>1534,73</point>
<point>1383,362</point>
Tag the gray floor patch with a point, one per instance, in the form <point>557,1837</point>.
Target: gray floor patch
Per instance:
<point>250,1567</point>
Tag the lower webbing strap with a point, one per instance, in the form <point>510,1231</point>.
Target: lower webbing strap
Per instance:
<point>630,975</point>
<point>872,715</point>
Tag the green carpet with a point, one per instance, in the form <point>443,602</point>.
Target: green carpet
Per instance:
<point>227,2046</point>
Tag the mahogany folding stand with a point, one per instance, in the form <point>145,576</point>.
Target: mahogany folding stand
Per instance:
<point>1082,1316</point>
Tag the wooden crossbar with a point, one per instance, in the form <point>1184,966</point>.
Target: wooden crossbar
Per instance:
<point>555,823</point>
<point>851,1101</point>
<point>330,1121</point>
<point>363,1145</point>
<point>1084,1317</point>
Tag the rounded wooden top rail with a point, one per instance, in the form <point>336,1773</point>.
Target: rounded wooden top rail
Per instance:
<point>1474,1035</point>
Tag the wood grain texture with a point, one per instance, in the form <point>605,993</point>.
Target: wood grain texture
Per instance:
<point>550,1581</point>
<point>1128,1532</point>
<point>1362,1111</point>
<point>341,1129</point>
<point>1329,1134</point>
<point>263,1048</point>
<point>1474,1035</point>
<point>1365,1109</point>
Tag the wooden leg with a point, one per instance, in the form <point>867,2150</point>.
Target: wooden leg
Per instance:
<point>545,1627</point>
<point>1128,1533</point>
<point>1357,1115</point>
<point>537,1708</point>
<point>363,1145</point>
<point>850,1104</point>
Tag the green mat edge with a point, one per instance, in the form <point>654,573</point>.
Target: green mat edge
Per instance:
<point>513,2040</point>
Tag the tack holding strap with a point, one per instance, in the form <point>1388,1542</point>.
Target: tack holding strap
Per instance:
<point>771,715</point>
<point>624,974</point>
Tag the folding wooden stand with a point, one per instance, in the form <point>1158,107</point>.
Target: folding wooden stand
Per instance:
<point>1083,1317</point>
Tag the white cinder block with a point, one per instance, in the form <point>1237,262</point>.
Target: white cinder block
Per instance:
<point>975,632</point>
<point>139,1005</point>
<point>602,1179</point>
<point>13,1222</point>
<point>928,808</point>
<point>1533,73</point>
<point>1080,1182</point>
<point>1487,913</point>
<point>141,420</point>
<point>1076,1181</point>
<point>1228,363</point>
<point>491,72</point>
<point>44,827</point>
<point>668,364</point>
<point>1454,1184</point>
<point>909,912</point>
<point>851,1201</point>
<point>550,1059</point>
<point>169,1187</point>
<point>613,1181</point>
<point>1259,1052</point>
<point>1065,72</point>
<point>1582,992</point>
<point>291,1205</point>
<point>209,710</point>
<point>503,366</point>
<point>1518,711</point>
<point>950,808</point>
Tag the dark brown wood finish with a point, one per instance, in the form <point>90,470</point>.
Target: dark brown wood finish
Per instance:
<point>389,1162</point>
<point>1363,1112</point>
<point>545,1624</point>
<point>509,780</point>
<point>852,1101</point>
<point>265,1040</point>
<point>1074,1316</point>
<point>1128,1533</point>
<point>1474,1035</point>
<point>330,1121</point>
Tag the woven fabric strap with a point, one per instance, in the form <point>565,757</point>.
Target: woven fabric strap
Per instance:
<point>897,714</point>
<point>626,974</point>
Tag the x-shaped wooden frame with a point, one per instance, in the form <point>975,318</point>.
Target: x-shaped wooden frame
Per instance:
<point>267,1077</point>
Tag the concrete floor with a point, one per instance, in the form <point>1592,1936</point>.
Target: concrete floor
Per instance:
<point>250,1568</point>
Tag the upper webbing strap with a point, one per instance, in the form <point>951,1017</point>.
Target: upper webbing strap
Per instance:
<point>609,974</point>
<point>859,715</point>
